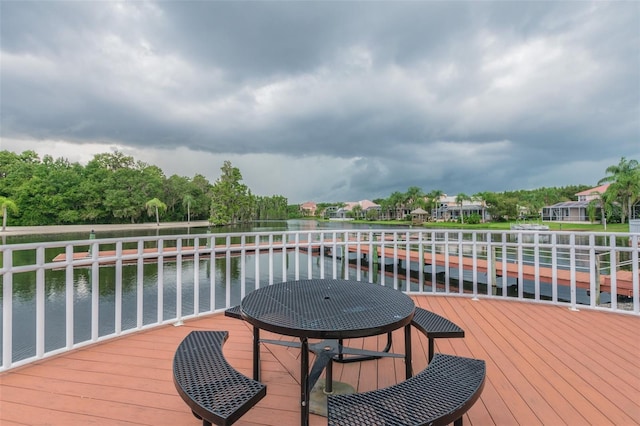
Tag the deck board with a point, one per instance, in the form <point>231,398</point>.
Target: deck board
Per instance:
<point>545,365</point>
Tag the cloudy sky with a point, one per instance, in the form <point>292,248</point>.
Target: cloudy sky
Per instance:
<point>329,101</point>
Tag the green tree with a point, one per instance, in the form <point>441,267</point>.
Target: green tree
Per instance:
<point>414,198</point>
<point>602,201</point>
<point>501,206</point>
<point>153,206</point>
<point>7,205</point>
<point>187,199</point>
<point>231,200</point>
<point>394,203</point>
<point>625,184</point>
<point>356,211</point>
<point>434,199</point>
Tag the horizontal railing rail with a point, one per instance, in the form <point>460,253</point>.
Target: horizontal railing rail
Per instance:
<point>58,296</point>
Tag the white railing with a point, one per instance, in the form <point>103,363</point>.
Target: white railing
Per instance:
<point>110,287</point>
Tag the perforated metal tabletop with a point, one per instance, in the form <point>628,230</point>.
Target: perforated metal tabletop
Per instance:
<point>327,309</point>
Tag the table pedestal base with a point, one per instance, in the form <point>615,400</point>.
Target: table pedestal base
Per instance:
<point>318,398</point>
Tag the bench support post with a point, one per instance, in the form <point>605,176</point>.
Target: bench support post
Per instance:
<point>407,350</point>
<point>256,354</point>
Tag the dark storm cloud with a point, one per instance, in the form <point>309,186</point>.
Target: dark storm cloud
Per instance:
<point>460,96</point>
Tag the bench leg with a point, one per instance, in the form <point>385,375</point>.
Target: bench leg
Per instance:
<point>256,354</point>
<point>431,348</point>
<point>407,351</point>
<point>304,382</point>
<point>458,422</point>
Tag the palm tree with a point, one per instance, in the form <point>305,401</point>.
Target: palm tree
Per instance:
<point>153,205</point>
<point>482,198</point>
<point>625,184</point>
<point>602,201</point>
<point>396,200</point>
<point>434,198</point>
<point>187,199</point>
<point>414,197</point>
<point>460,199</point>
<point>7,204</point>
<point>357,211</point>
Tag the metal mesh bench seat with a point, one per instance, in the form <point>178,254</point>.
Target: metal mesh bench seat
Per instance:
<point>435,327</point>
<point>233,312</point>
<point>215,391</point>
<point>438,395</point>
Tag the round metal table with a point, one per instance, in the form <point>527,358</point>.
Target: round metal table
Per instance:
<point>326,309</point>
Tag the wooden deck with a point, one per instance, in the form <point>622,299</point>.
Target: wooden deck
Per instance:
<point>546,365</point>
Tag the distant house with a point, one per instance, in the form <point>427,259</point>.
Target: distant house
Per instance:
<point>347,211</point>
<point>308,209</point>
<point>447,208</point>
<point>573,211</point>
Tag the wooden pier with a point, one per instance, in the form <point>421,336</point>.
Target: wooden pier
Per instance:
<point>624,279</point>
<point>168,253</point>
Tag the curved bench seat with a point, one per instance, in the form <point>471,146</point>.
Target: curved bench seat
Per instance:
<point>438,395</point>
<point>213,389</point>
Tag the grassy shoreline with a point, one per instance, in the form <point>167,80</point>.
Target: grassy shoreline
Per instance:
<point>506,226</point>
<point>60,229</point>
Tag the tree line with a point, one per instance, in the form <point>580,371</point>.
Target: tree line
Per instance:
<point>115,188</point>
<point>614,205</point>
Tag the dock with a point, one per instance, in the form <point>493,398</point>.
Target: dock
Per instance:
<point>624,279</point>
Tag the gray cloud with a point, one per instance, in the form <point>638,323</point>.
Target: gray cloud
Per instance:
<point>372,97</point>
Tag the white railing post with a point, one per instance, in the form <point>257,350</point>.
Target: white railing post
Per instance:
<point>613,272</point>
<point>140,285</point>
<point>594,273</point>
<point>227,271</point>
<point>309,256</point>
<point>178,249</point>
<point>69,287</point>
<point>160,299</point>
<point>270,259</point>
<point>491,266</point>
<point>460,263</point>
<point>7,308</point>
<point>635,270</point>
<point>474,263</point>
<point>505,265</point>
<point>536,265</point>
<point>95,292</point>
<point>572,269</point>
<point>196,276</point>
<point>40,293</point>
<point>554,268</point>
<point>520,267</point>
<point>243,272</point>
<point>118,289</point>
<point>447,273</point>
<point>297,256</point>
